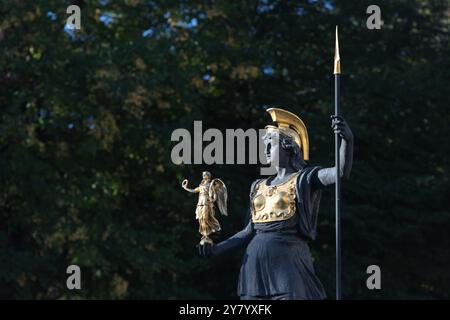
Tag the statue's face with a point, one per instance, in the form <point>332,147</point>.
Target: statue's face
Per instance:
<point>205,176</point>
<point>272,147</point>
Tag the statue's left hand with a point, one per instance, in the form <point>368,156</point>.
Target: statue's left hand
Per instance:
<point>340,126</point>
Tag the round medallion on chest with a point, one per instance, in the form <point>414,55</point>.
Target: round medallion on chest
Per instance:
<point>281,201</point>
<point>259,202</point>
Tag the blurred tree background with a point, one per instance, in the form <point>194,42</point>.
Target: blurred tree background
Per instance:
<point>86,176</point>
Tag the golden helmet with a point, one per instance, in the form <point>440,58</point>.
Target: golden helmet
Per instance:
<point>292,126</point>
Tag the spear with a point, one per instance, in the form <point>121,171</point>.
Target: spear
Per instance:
<point>337,144</point>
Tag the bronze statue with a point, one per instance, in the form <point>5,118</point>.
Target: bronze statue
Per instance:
<point>283,210</point>
<point>283,213</point>
<point>210,192</point>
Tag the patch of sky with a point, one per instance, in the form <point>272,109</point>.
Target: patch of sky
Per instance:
<point>148,33</point>
<point>187,25</point>
<point>90,122</point>
<point>107,18</point>
<point>300,11</point>
<point>51,15</point>
<point>268,70</point>
<point>70,31</point>
<point>327,4</point>
<point>264,7</point>
<point>193,23</point>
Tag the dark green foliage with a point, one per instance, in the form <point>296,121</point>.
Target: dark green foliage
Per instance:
<point>85,170</point>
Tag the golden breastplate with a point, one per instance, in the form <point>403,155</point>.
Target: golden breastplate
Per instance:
<point>273,203</point>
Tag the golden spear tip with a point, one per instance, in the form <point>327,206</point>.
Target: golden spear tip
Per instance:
<point>337,58</point>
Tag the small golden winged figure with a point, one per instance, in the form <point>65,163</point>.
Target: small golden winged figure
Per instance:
<point>210,191</point>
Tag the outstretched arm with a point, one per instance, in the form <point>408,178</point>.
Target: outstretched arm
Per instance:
<point>236,241</point>
<point>327,176</point>
<point>184,185</point>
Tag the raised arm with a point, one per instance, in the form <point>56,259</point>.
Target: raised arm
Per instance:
<point>185,187</point>
<point>327,176</point>
<point>239,239</point>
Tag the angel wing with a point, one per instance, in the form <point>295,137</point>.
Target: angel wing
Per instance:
<point>218,193</point>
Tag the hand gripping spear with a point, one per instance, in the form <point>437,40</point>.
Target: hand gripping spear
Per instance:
<point>337,145</point>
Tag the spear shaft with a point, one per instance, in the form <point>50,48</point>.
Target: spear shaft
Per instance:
<point>337,145</point>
